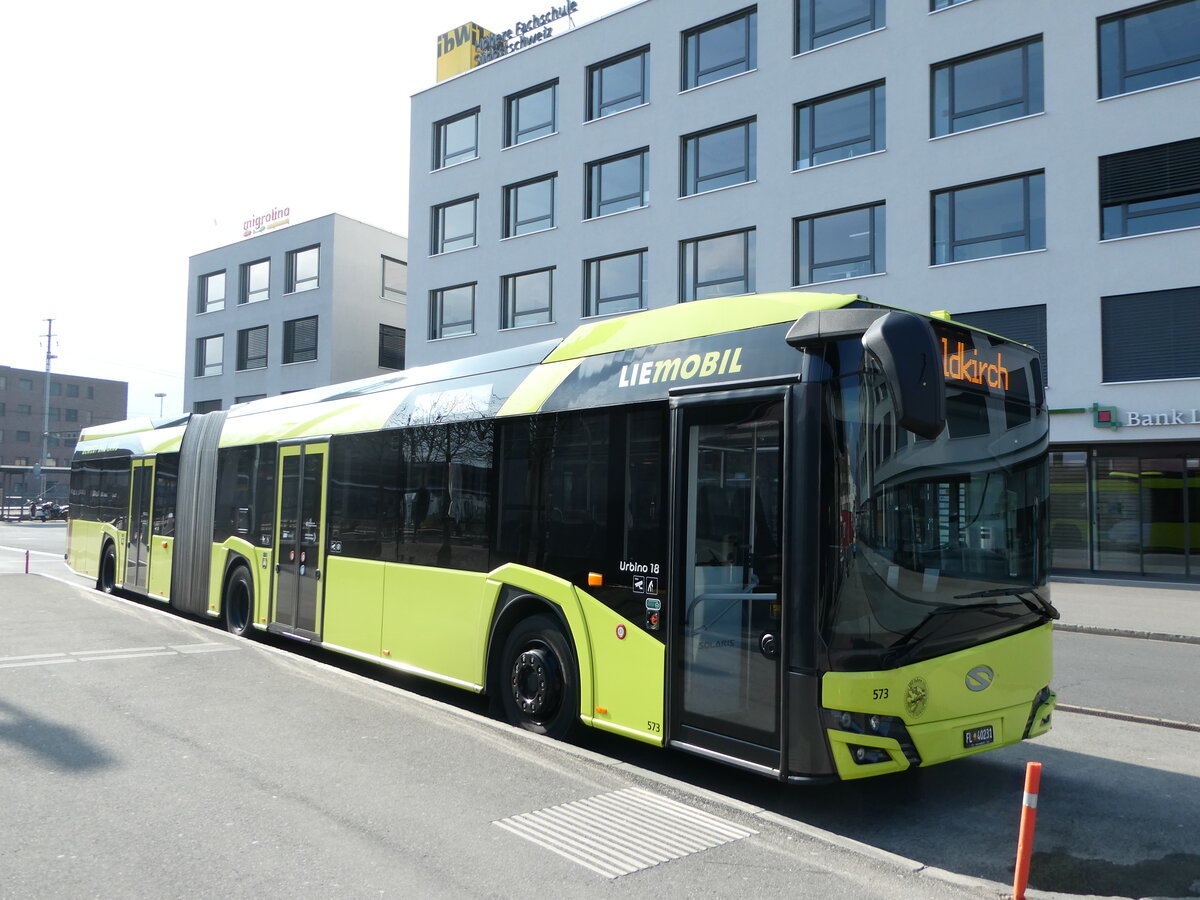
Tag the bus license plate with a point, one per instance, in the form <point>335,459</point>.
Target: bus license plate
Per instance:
<point>978,737</point>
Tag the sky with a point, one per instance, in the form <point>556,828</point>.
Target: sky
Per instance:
<point>137,134</point>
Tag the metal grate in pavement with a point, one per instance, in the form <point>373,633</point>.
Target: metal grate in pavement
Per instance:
<point>624,831</point>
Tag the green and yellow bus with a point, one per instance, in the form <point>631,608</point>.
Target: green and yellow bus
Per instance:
<point>803,534</point>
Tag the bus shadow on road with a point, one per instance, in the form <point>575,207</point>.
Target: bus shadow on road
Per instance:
<point>56,746</point>
<point>1105,827</point>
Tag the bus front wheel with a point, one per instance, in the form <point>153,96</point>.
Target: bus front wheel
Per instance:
<point>107,581</point>
<point>238,604</point>
<point>539,690</point>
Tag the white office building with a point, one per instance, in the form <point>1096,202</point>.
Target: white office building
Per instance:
<point>1031,167</point>
<point>294,307</point>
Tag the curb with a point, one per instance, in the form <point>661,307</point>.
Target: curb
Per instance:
<point>1130,633</point>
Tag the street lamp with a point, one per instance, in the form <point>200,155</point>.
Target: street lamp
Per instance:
<point>160,396</point>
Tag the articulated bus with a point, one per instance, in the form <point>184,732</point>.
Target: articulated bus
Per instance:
<point>803,534</point>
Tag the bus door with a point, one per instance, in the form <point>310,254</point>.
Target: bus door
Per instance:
<point>137,535</point>
<point>727,634</point>
<point>300,521</point>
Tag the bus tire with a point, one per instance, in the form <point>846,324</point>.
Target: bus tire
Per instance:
<point>539,682</point>
<point>237,606</point>
<point>107,581</point>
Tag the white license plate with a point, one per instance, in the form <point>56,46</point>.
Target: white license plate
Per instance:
<point>978,737</point>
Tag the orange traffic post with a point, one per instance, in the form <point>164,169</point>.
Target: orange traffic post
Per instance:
<point>1033,780</point>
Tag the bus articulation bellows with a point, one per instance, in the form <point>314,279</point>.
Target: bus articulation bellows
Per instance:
<point>803,534</point>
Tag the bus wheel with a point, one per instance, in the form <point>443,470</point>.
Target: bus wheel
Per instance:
<point>237,607</point>
<point>540,688</point>
<point>108,569</point>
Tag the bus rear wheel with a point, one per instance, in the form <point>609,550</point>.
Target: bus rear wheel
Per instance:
<point>237,607</point>
<point>539,690</point>
<point>107,581</point>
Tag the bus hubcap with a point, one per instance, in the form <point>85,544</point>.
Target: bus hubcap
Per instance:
<point>534,682</point>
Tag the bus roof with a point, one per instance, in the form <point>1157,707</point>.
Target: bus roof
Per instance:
<point>507,382</point>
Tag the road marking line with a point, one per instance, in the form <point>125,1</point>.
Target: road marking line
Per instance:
<point>128,656</point>
<point>40,662</point>
<point>27,550</point>
<point>202,648</point>
<point>624,831</point>
<point>115,650</point>
<point>4,659</point>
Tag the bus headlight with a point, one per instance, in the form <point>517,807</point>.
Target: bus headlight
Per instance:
<point>873,725</point>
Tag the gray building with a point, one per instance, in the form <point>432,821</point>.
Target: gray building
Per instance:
<point>75,402</point>
<point>302,306</point>
<point>1030,167</point>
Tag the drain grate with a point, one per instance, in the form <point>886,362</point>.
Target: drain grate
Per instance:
<point>624,831</point>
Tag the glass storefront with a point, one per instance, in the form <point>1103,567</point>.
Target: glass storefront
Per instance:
<point>1126,510</point>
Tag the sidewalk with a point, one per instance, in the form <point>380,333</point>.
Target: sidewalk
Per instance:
<point>1160,612</point>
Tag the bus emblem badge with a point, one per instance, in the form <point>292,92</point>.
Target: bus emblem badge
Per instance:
<point>980,678</point>
<point>916,697</point>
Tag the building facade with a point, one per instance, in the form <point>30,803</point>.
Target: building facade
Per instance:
<point>306,305</point>
<point>1031,167</point>
<point>75,402</point>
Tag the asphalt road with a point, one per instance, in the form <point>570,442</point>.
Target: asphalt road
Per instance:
<point>248,768</point>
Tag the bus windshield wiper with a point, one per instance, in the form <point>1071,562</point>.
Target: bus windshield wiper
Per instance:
<point>906,645</point>
<point>1038,604</point>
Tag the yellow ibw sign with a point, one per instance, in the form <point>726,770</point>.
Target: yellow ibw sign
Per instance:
<point>458,49</point>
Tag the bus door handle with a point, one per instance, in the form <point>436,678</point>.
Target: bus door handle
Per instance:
<point>769,645</point>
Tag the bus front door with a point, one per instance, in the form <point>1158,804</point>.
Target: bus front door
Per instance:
<point>137,537</point>
<point>727,635</point>
<point>301,514</point>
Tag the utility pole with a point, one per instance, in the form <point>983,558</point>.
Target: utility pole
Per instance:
<point>46,407</point>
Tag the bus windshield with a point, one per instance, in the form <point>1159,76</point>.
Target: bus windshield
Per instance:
<point>943,542</point>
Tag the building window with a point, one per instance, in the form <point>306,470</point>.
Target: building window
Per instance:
<point>721,48</point>
<point>256,281</point>
<point>56,389</point>
<point>617,84</point>
<point>72,390</point>
<point>209,354</point>
<point>206,406</point>
<point>71,415</point>
<point>615,284</point>
<point>1025,324</point>
<point>993,86</point>
<point>24,409</point>
<point>3,382</point>
<point>252,348</point>
<point>1151,189</point>
<point>304,267</point>
<point>300,340</point>
<point>529,206</point>
<point>24,384</point>
<point>1151,336</point>
<point>527,298</point>
<point>716,266</point>
<point>530,114</point>
<point>822,22</point>
<point>391,347</point>
<point>838,126</point>
<point>452,311</point>
<point>717,158</point>
<point>618,183</point>
<point>23,437</point>
<point>844,244</point>
<point>2,410</point>
<point>248,398</point>
<point>395,280</point>
<point>212,292</point>
<point>456,139</point>
<point>454,225</point>
<point>935,5</point>
<point>1148,46</point>
<point>992,218</point>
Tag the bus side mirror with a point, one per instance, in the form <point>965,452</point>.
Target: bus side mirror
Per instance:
<point>907,351</point>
